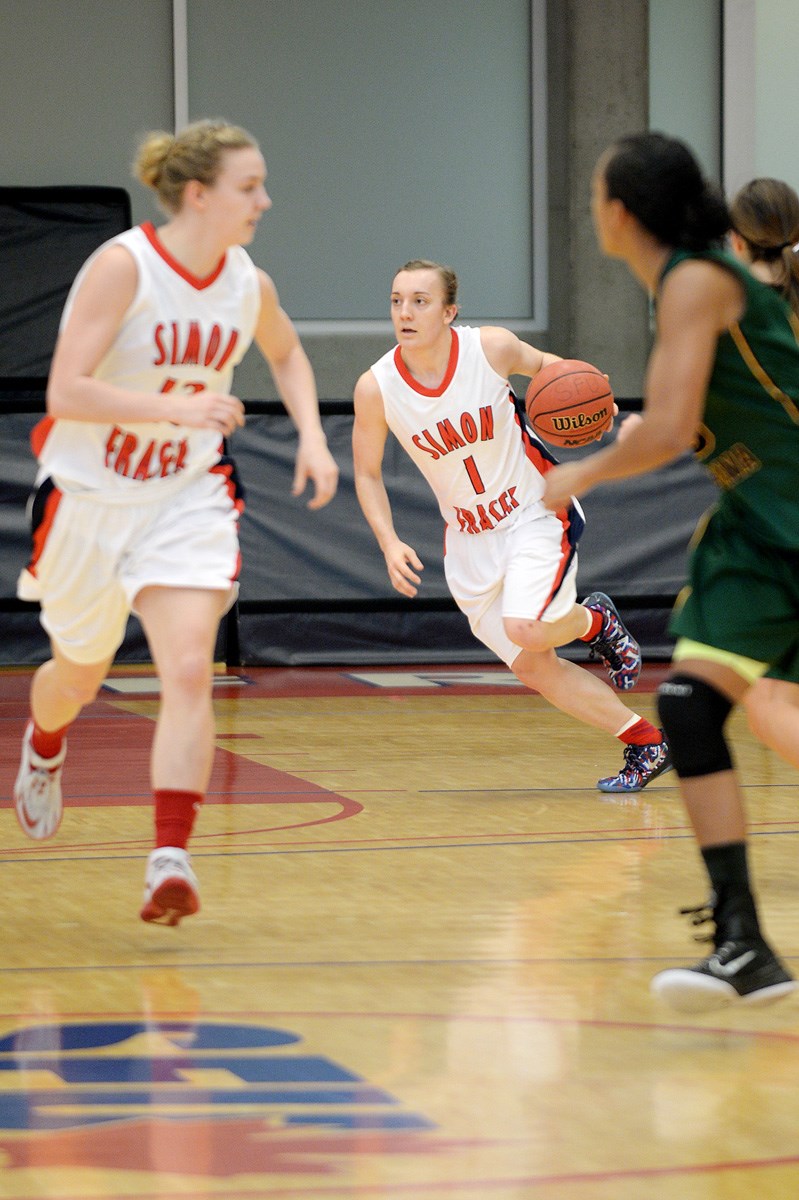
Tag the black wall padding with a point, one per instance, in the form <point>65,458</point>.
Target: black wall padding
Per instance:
<point>46,233</point>
<point>314,587</point>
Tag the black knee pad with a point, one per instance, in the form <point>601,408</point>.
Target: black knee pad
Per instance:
<point>693,713</point>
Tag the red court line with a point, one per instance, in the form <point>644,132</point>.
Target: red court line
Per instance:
<point>261,1015</point>
<point>643,833</point>
<point>347,809</point>
<point>479,1185</point>
<point>453,1187</point>
<point>522,1019</point>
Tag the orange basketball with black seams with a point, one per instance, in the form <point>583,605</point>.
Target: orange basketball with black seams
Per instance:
<point>569,403</point>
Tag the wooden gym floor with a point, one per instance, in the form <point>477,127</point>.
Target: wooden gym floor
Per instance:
<point>421,968</point>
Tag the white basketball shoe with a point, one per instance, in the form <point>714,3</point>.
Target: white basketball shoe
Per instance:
<point>37,791</point>
<point>171,890</point>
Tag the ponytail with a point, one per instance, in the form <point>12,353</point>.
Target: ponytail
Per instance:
<point>765,212</point>
<point>167,162</point>
<point>660,182</point>
<point>790,288</point>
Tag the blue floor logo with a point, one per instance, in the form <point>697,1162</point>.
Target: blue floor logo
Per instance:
<point>198,1099</point>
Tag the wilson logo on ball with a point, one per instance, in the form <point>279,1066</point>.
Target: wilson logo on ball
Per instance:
<point>569,403</point>
<point>581,420</point>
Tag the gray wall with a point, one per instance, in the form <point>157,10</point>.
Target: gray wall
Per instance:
<point>79,80</point>
<point>761,90</point>
<point>466,131</point>
<point>389,130</point>
<point>603,316</point>
<point>685,76</point>
<point>463,131</point>
<point>617,66</point>
<point>383,143</point>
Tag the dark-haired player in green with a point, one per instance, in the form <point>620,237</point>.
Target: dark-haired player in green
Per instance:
<point>723,376</point>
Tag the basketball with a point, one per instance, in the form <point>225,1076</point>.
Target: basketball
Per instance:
<point>569,403</point>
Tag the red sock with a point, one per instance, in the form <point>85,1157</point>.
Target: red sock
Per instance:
<point>174,816</point>
<point>642,733</point>
<point>597,621</point>
<point>48,742</point>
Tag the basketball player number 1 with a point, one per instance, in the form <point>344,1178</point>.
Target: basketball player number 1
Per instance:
<point>474,475</point>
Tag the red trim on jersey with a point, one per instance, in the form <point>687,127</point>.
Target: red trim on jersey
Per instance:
<point>226,469</point>
<point>566,555</point>
<point>42,530</point>
<point>536,451</point>
<point>40,433</point>
<point>539,460</point>
<point>543,463</point>
<point>454,351</point>
<point>150,232</point>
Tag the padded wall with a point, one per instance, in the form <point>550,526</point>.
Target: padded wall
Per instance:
<point>314,585</point>
<point>46,233</point>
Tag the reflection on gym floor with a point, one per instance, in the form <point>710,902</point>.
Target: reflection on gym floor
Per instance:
<point>420,969</point>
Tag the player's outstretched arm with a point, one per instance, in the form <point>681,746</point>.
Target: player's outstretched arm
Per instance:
<point>277,340</point>
<point>698,301</point>
<point>369,433</point>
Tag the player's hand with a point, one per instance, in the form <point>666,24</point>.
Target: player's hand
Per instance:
<point>205,410</point>
<point>599,436</point>
<point>630,422</point>
<point>562,484</point>
<point>403,565</point>
<point>315,463</point>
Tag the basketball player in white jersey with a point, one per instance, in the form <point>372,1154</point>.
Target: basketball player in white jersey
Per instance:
<point>510,565</point>
<point>136,507</point>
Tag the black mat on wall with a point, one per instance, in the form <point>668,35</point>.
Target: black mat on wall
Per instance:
<point>46,233</point>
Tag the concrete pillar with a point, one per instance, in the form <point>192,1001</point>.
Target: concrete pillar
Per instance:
<point>598,68</point>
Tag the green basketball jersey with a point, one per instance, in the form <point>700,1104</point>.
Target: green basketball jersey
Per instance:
<point>749,439</point>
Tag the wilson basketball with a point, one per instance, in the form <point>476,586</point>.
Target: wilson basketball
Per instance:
<point>569,403</point>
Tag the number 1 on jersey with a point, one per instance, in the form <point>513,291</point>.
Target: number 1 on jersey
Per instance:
<point>474,475</point>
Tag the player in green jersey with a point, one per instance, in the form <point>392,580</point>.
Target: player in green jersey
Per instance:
<point>723,379</point>
<point>765,234</point>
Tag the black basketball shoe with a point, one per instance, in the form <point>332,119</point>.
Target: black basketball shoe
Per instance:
<point>742,969</point>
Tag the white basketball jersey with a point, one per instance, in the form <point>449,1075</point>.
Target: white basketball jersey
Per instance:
<point>465,437</point>
<point>180,333</point>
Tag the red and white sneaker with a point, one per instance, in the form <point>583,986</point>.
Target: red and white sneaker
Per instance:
<point>171,890</point>
<point>37,791</point>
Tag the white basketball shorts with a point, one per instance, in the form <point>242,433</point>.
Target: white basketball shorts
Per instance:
<point>523,572</point>
<point>97,557</point>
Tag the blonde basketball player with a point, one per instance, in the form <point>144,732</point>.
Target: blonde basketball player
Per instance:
<point>136,506</point>
<point>510,564</point>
